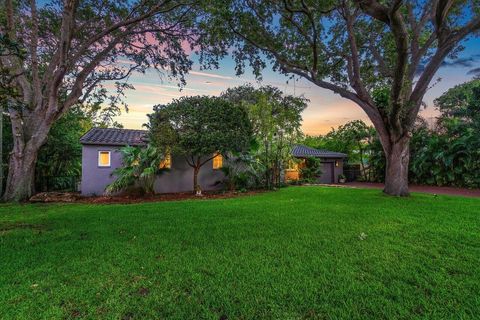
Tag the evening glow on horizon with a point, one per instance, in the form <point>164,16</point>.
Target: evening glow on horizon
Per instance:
<point>325,110</point>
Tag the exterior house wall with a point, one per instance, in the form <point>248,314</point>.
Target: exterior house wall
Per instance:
<point>94,178</point>
<point>177,179</point>
<point>293,174</point>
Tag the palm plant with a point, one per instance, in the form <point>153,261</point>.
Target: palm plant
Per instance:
<point>140,167</point>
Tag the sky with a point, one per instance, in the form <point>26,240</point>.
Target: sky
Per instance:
<point>325,109</point>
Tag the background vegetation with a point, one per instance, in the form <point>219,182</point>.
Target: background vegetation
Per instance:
<point>446,152</point>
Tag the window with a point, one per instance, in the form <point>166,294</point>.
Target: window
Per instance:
<point>104,158</point>
<point>217,161</point>
<point>166,163</point>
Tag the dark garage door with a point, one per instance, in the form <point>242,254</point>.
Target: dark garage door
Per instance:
<point>327,172</point>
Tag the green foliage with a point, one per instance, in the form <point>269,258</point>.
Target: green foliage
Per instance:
<point>460,105</point>
<point>62,153</point>
<point>446,158</point>
<point>59,159</point>
<point>140,168</point>
<point>449,155</point>
<point>199,127</point>
<point>276,121</point>
<point>353,138</point>
<point>297,253</point>
<point>311,171</point>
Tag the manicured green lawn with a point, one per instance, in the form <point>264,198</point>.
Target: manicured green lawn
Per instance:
<point>292,254</point>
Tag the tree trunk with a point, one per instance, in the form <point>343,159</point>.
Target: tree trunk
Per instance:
<point>21,175</point>
<point>396,174</point>
<point>196,186</point>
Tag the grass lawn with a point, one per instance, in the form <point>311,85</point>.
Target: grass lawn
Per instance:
<point>292,254</point>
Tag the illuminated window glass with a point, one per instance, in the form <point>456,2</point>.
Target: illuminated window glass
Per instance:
<point>104,158</point>
<point>217,161</point>
<point>166,163</point>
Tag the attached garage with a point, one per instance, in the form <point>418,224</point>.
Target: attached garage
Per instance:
<point>332,163</point>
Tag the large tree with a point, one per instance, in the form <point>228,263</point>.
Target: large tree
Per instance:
<point>70,48</point>
<point>353,47</point>
<point>200,128</point>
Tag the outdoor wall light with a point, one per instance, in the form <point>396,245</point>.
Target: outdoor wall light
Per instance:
<point>336,163</point>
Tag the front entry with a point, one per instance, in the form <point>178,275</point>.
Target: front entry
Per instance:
<point>327,173</point>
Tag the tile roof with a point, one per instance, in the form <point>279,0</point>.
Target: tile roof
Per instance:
<point>114,137</point>
<point>301,151</point>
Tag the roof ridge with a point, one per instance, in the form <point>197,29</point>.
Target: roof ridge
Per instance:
<point>120,129</point>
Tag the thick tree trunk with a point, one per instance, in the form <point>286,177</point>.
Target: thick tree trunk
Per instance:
<point>21,175</point>
<point>396,173</point>
<point>196,185</point>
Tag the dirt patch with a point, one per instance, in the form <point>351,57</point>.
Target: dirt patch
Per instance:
<point>164,197</point>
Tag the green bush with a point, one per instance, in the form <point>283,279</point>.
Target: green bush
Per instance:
<point>311,171</point>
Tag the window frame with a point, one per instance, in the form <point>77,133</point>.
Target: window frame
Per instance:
<point>109,159</point>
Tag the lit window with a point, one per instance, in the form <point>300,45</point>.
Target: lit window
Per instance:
<point>217,161</point>
<point>166,163</point>
<point>104,158</point>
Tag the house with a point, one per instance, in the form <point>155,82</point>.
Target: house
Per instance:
<point>101,156</point>
<point>332,163</point>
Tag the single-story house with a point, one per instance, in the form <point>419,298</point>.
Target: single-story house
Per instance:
<point>331,163</point>
<point>101,156</point>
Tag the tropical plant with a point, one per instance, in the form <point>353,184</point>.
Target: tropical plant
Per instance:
<point>200,128</point>
<point>311,170</point>
<point>141,165</point>
<point>243,172</point>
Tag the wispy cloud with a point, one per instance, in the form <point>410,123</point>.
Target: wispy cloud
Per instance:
<point>462,62</point>
<point>209,75</point>
<point>474,72</point>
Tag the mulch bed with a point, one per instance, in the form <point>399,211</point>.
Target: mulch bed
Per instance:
<point>125,199</point>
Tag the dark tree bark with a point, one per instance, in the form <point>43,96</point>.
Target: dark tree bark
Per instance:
<point>196,187</point>
<point>396,175</point>
<point>196,163</point>
<point>21,176</point>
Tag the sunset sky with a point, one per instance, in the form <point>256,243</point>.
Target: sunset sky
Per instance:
<point>325,110</point>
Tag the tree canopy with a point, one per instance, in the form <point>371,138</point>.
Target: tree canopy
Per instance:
<point>70,49</point>
<point>461,104</point>
<point>276,120</point>
<point>353,48</point>
<point>200,128</point>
